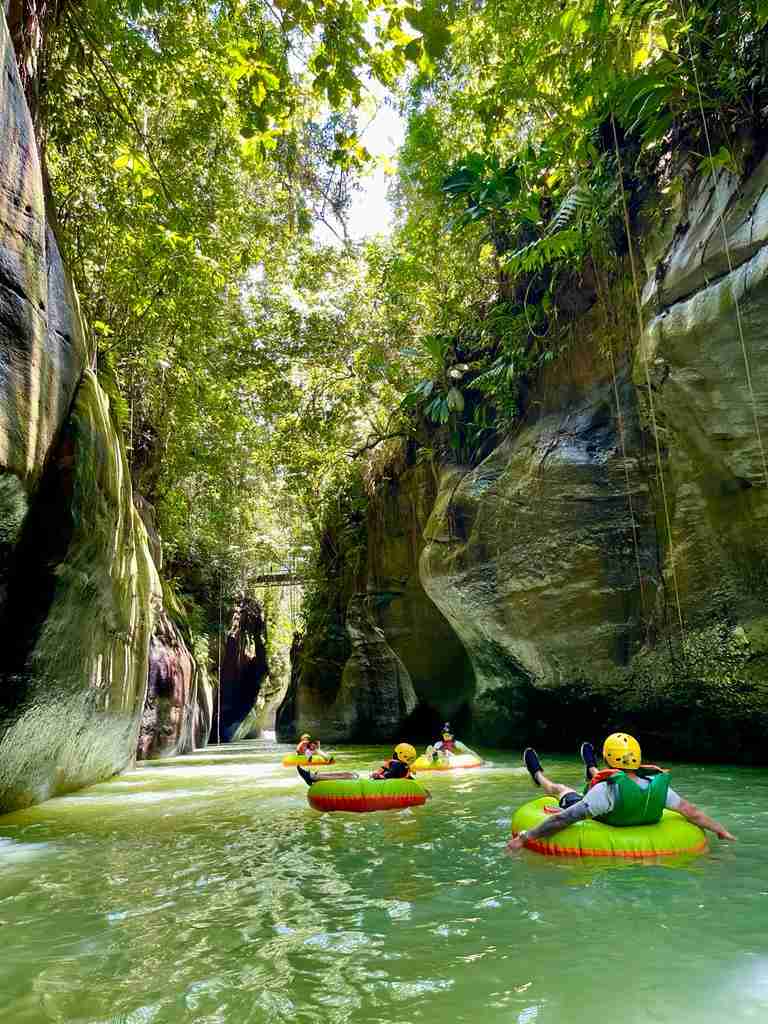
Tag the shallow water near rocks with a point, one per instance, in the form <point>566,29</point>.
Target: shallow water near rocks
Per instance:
<point>205,889</point>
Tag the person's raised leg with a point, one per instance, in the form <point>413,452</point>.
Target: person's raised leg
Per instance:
<point>309,777</point>
<point>589,758</point>
<point>532,763</point>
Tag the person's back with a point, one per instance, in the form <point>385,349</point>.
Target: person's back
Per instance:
<point>626,798</point>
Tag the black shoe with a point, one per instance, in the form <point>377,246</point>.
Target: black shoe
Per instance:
<point>307,776</point>
<point>532,763</point>
<point>587,752</point>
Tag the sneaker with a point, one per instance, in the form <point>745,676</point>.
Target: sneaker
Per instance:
<point>587,752</point>
<point>532,763</point>
<point>306,775</point>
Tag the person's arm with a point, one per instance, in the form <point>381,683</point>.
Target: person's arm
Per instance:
<point>692,813</point>
<point>551,825</point>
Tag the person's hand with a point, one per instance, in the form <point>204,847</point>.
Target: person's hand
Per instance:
<point>516,843</point>
<point>723,833</point>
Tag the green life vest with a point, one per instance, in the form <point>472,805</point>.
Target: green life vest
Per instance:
<point>635,805</point>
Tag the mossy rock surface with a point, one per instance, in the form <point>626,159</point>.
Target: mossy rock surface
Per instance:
<point>83,594</point>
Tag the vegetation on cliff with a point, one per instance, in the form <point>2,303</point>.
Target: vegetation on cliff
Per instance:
<point>203,159</point>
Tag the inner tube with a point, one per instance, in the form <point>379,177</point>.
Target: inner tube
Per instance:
<point>669,837</point>
<point>446,763</point>
<point>365,794</point>
<point>293,759</point>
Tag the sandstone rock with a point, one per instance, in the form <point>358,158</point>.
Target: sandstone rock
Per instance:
<point>439,668</point>
<point>43,347</point>
<point>531,555</point>
<point>373,700</point>
<point>692,252</point>
<point>170,719</point>
<point>82,594</point>
<point>715,463</point>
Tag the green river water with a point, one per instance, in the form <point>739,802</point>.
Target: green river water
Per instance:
<point>205,889</point>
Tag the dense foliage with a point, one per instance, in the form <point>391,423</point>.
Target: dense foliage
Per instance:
<point>195,151</point>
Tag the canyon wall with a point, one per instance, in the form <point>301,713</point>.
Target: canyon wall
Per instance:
<point>605,565</point>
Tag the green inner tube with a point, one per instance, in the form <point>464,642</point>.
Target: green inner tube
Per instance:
<point>365,794</point>
<point>670,836</point>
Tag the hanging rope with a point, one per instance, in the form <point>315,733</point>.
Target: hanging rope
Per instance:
<point>623,444</point>
<point>651,404</point>
<point>726,244</point>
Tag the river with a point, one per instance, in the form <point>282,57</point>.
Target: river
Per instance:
<point>204,889</point>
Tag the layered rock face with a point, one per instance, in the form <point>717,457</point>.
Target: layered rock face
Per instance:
<point>178,708</point>
<point>532,555</point>
<point>413,625</point>
<point>78,587</point>
<point>375,696</point>
<point>407,670</point>
<point>605,566</point>
<point>82,592</point>
<point>706,338</point>
<point>44,347</point>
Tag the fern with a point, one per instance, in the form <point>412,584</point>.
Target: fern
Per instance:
<point>578,198</point>
<point>545,250</point>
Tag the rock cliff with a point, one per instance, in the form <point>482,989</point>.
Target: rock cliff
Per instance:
<point>541,592</point>
<point>79,590</point>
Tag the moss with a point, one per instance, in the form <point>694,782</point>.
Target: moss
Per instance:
<point>13,509</point>
<point>337,573</point>
<point>75,689</point>
<point>704,699</point>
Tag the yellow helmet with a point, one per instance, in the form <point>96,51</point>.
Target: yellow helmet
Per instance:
<point>405,752</point>
<point>621,750</point>
<point>305,736</point>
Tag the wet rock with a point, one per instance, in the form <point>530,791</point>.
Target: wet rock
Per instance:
<point>43,347</point>
<point>688,252</point>
<point>373,700</point>
<point>413,625</point>
<point>82,593</point>
<point>244,669</point>
<point>531,555</point>
<point>172,722</point>
<point>700,351</point>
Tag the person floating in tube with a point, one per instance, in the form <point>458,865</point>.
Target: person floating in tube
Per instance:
<point>396,767</point>
<point>626,793</point>
<point>447,744</point>
<point>311,749</point>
